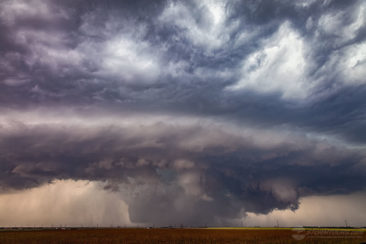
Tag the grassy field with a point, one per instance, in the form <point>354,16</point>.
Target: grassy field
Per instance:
<point>185,235</point>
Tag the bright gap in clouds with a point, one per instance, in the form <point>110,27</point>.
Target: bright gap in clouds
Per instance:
<point>280,65</point>
<point>64,203</point>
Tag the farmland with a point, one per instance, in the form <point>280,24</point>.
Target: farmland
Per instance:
<point>183,235</point>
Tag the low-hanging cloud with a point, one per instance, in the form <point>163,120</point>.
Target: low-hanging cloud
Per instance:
<point>174,169</point>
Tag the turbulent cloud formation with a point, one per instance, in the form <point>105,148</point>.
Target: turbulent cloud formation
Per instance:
<point>183,112</point>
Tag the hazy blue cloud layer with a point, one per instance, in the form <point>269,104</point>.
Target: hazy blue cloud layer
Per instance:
<point>197,112</point>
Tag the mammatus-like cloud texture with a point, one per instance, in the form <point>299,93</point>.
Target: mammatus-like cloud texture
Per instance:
<point>182,112</point>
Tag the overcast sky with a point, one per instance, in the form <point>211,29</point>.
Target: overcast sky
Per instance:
<point>182,112</point>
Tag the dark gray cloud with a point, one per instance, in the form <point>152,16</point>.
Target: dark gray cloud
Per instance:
<point>179,172</point>
<point>290,74</point>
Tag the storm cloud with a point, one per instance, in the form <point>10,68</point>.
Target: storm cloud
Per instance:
<point>191,112</point>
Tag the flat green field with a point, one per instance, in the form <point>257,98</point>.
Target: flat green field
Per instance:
<point>184,235</point>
